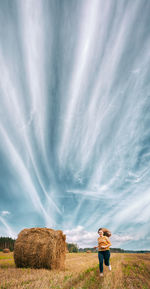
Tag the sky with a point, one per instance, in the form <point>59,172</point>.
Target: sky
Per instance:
<point>75,119</point>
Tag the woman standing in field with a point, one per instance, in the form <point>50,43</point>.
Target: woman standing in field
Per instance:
<point>103,251</point>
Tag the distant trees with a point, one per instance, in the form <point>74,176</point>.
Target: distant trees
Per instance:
<point>117,250</point>
<point>6,242</point>
<point>72,248</point>
<point>82,250</point>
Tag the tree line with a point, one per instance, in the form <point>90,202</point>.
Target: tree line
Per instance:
<point>72,248</point>
<point>6,242</point>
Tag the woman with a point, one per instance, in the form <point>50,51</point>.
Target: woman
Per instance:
<point>103,251</point>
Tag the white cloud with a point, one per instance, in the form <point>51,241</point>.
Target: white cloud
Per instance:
<point>81,237</point>
<point>4,213</point>
<point>123,238</point>
<point>118,240</point>
<point>86,239</point>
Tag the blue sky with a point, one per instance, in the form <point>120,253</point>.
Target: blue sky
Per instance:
<point>75,119</point>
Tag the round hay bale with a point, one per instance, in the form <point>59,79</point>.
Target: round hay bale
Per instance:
<point>88,251</point>
<point>106,232</point>
<point>40,248</point>
<point>6,250</point>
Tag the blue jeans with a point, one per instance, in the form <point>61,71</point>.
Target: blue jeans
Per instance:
<point>103,255</point>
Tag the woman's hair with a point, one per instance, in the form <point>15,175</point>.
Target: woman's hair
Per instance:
<point>99,230</point>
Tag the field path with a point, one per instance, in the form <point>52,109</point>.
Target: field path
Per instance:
<point>129,271</point>
<point>91,278</point>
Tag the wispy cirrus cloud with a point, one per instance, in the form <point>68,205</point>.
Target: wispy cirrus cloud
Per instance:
<point>74,114</point>
<point>7,229</point>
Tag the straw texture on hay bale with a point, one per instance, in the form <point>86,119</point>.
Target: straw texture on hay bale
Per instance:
<point>6,250</point>
<point>106,232</point>
<point>40,248</point>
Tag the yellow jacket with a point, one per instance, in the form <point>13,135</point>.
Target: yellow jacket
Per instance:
<point>103,241</point>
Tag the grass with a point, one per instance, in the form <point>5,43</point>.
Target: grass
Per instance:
<point>129,271</point>
<point>137,271</point>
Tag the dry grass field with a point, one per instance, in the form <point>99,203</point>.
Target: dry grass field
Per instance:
<point>129,271</point>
